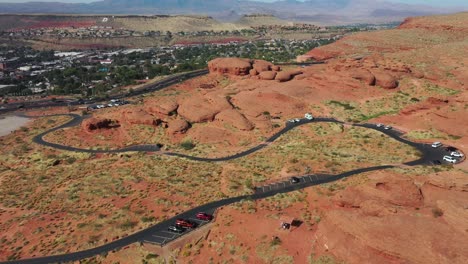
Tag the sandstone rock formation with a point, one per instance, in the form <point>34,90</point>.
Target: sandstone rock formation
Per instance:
<point>164,107</point>
<point>363,75</point>
<point>139,117</point>
<point>96,124</point>
<point>385,80</point>
<point>177,126</point>
<point>267,75</point>
<point>253,72</point>
<point>261,65</point>
<point>233,117</point>
<point>234,66</point>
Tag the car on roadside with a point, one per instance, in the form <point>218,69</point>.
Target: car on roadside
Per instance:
<point>379,125</point>
<point>436,162</point>
<point>297,120</point>
<point>436,144</point>
<point>450,159</point>
<point>176,229</point>
<point>294,180</point>
<point>309,116</point>
<point>456,154</point>
<point>204,216</point>
<point>388,127</point>
<point>185,223</point>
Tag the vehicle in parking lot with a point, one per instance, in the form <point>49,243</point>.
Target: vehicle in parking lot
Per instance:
<point>204,216</point>
<point>456,154</point>
<point>380,125</point>
<point>308,116</point>
<point>185,223</point>
<point>294,180</point>
<point>450,159</point>
<point>388,127</point>
<point>297,120</point>
<point>436,144</point>
<point>436,162</point>
<point>175,229</point>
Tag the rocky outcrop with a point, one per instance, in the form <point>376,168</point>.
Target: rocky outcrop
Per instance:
<point>161,107</point>
<point>262,65</point>
<point>139,117</point>
<point>177,126</point>
<point>363,75</point>
<point>287,75</point>
<point>233,117</point>
<point>199,108</point>
<point>267,75</point>
<point>385,80</point>
<point>253,72</point>
<point>93,124</point>
<point>233,66</point>
<point>389,221</point>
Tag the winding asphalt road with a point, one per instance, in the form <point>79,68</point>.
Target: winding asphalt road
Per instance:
<point>157,234</point>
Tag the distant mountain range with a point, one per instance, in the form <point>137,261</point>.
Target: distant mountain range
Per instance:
<point>318,11</point>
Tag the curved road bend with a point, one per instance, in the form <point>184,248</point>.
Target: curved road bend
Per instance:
<point>148,235</point>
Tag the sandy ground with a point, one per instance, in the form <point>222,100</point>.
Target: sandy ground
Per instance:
<point>9,124</point>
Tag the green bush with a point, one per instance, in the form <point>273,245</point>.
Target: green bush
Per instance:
<point>187,144</point>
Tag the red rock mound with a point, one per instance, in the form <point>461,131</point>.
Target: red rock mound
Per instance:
<point>139,117</point>
<point>267,75</point>
<point>261,65</point>
<point>234,66</point>
<point>199,108</point>
<point>177,126</point>
<point>363,75</point>
<point>164,107</point>
<point>385,80</point>
<point>233,117</point>
<point>93,124</point>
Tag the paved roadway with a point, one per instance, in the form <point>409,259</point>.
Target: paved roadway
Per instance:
<point>157,234</point>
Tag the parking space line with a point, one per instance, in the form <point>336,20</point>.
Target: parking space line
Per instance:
<point>163,237</point>
<point>310,178</point>
<point>316,178</point>
<point>173,235</point>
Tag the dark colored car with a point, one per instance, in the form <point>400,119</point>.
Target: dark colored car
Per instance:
<point>204,216</point>
<point>294,180</point>
<point>185,223</point>
<point>175,229</point>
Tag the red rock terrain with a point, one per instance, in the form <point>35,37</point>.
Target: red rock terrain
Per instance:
<point>413,78</point>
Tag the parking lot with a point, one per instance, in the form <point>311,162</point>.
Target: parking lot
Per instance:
<point>307,179</point>
<point>164,236</point>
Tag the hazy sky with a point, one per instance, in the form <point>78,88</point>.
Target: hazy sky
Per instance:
<point>461,3</point>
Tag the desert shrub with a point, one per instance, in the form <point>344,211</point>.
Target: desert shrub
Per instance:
<point>275,241</point>
<point>187,144</point>
<point>437,212</point>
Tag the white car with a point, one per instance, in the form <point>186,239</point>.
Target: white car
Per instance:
<point>388,127</point>
<point>292,121</point>
<point>436,144</point>
<point>450,159</point>
<point>380,125</point>
<point>309,116</point>
<point>456,154</point>
<point>297,120</point>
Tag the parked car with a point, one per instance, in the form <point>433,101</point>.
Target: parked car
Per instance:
<point>297,120</point>
<point>388,127</point>
<point>456,154</point>
<point>436,162</point>
<point>294,180</point>
<point>204,216</point>
<point>175,229</point>
<point>185,223</point>
<point>436,144</point>
<point>380,125</point>
<point>308,116</point>
<point>450,159</point>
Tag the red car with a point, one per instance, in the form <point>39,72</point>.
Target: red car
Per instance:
<point>204,216</point>
<point>185,223</point>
